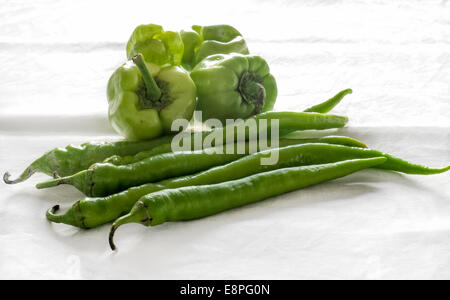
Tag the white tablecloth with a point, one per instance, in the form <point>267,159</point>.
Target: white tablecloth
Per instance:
<point>55,59</point>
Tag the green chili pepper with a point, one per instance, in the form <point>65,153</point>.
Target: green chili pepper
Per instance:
<point>159,47</point>
<point>204,41</point>
<point>167,147</point>
<point>72,159</point>
<point>233,86</point>
<point>144,100</point>
<point>92,212</point>
<point>104,179</point>
<point>195,202</point>
<point>324,107</point>
<point>331,103</point>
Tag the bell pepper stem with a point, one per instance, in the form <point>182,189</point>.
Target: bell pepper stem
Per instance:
<point>151,87</point>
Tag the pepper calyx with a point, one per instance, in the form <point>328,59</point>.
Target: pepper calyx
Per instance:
<point>252,91</point>
<point>152,92</point>
<point>146,101</point>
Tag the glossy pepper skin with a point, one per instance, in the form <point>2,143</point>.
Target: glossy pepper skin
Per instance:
<point>203,41</point>
<point>234,86</point>
<point>192,202</point>
<point>74,158</point>
<point>162,48</point>
<point>145,99</point>
<point>91,212</point>
<point>167,147</point>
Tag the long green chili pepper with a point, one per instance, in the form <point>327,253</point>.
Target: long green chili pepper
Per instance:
<point>288,121</point>
<point>194,202</point>
<point>165,148</point>
<point>323,107</point>
<point>92,212</point>
<point>105,179</point>
<point>328,105</point>
<point>91,183</point>
<point>72,159</point>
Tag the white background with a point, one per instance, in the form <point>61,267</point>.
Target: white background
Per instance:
<point>55,60</point>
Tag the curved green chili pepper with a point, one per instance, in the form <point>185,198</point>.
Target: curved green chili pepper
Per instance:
<point>105,179</point>
<point>91,212</point>
<point>194,202</point>
<point>167,147</point>
<point>328,105</point>
<point>72,159</point>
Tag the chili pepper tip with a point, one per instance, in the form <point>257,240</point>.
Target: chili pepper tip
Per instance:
<point>111,237</point>
<point>128,218</point>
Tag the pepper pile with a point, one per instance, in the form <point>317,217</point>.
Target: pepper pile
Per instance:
<point>167,71</point>
<point>168,76</point>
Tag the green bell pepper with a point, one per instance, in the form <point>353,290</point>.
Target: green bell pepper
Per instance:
<point>203,41</point>
<point>232,86</point>
<point>162,48</point>
<point>144,99</point>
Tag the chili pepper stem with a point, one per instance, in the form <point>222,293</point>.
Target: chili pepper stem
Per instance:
<point>139,214</point>
<point>151,87</point>
<point>51,183</point>
<point>80,180</point>
<point>24,176</point>
<point>119,222</point>
<point>111,237</point>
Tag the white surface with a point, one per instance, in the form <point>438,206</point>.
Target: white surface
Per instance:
<point>55,59</point>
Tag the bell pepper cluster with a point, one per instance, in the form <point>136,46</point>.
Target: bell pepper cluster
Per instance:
<point>170,74</point>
